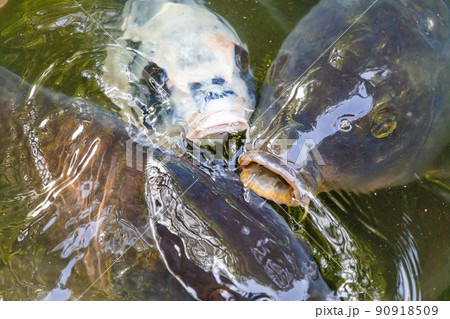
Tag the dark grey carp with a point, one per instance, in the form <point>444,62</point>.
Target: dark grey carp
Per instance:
<point>221,247</point>
<point>357,99</point>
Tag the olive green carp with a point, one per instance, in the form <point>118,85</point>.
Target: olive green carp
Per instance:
<point>356,100</point>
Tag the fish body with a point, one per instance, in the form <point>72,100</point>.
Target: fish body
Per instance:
<point>63,178</point>
<point>356,100</point>
<point>94,207</point>
<point>221,247</point>
<point>178,69</point>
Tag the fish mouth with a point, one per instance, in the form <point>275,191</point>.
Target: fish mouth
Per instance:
<point>272,179</point>
<point>215,124</point>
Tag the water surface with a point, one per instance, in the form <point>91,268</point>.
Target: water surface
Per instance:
<point>69,206</point>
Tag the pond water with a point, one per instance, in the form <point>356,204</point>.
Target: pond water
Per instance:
<point>69,206</point>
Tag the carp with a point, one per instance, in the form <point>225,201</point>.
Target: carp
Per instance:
<point>220,246</point>
<point>356,100</point>
<point>179,69</point>
<point>91,206</point>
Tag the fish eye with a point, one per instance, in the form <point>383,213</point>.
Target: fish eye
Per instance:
<point>195,85</point>
<point>384,121</point>
<point>155,76</point>
<point>345,125</point>
<point>242,58</point>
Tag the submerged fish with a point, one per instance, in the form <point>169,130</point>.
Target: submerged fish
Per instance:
<point>178,69</point>
<point>218,245</point>
<point>90,209</point>
<point>63,180</point>
<point>357,99</point>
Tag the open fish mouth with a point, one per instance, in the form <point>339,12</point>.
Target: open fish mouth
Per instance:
<point>215,124</point>
<point>270,178</point>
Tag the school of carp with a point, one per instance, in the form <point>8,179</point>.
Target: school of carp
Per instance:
<point>356,100</point>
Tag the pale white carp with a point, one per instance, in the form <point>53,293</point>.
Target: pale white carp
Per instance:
<point>179,69</point>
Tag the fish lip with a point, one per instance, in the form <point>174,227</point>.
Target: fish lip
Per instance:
<point>214,123</point>
<point>300,187</point>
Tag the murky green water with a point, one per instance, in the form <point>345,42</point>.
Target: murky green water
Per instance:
<point>55,243</point>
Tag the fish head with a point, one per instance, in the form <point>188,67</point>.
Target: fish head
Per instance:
<point>205,75</point>
<point>336,129</point>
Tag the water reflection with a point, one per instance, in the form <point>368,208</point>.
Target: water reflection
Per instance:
<point>345,260</point>
<point>401,234</point>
